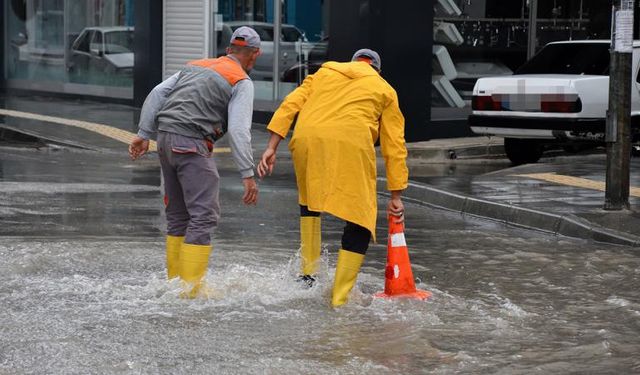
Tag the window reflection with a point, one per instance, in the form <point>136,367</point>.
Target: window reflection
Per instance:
<point>301,32</point>
<point>58,41</point>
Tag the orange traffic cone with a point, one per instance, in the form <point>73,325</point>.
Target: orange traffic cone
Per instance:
<point>398,276</point>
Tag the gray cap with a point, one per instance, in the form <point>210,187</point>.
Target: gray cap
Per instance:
<point>245,37</point>
<point>369,56</point>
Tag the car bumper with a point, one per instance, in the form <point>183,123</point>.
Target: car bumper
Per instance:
<point>547,124</point>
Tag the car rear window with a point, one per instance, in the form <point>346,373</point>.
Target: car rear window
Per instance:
<point>568,58</point>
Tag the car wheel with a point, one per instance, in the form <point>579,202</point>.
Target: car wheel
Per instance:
<point>522,151</point>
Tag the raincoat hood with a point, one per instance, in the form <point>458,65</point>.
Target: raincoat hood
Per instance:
<point>354,69</point>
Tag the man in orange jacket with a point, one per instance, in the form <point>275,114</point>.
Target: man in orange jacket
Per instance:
<point>343,109</point>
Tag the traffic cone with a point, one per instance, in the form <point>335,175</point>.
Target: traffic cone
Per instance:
<point>398,276</point>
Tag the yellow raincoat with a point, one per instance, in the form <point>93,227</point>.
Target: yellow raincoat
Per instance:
<point>342,110</point>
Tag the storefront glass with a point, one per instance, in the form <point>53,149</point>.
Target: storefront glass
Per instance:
<point>301,44</point>
<point>67,44</point>
<point>478,38</point>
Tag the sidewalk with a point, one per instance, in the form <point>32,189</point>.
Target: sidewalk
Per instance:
<point>562,195</point>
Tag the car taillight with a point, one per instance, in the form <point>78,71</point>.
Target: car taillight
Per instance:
<point>485,103</point>
<point>561,106</point>
<point>550,103</point>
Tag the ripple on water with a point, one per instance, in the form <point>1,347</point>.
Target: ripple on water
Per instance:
<point>106,306</point>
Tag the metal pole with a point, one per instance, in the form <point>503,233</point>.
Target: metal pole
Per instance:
<point>277,26</point>
<point>214,28</point>
<point>618,130</point>
<point>533,28</point>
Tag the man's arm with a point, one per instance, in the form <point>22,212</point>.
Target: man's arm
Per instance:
<point>239,129</point>
<point>283,117</point>
<point>394,151</point>
<point>281,123</point>
<point>268,160</point>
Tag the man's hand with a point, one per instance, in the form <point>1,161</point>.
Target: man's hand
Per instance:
<point>138,147</point>
<point>395,207</point>
<point>267,163</point>
<point>250,196</point>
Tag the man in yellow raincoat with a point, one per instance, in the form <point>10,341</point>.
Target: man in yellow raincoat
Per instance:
<point>343,109</point>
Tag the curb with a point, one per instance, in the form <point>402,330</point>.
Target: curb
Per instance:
<point>567,225</point>
<point>453,153</point>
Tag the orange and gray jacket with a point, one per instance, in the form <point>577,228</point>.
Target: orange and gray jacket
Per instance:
<point>205,100</point>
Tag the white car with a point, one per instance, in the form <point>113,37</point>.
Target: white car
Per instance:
<point>107,49</point>
<point>559,97</point>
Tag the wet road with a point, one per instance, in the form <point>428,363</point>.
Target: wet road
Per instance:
<point>83,291</point>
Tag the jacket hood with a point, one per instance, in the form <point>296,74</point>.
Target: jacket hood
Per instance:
<point>354,69</point>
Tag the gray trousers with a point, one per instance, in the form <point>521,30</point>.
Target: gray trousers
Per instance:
<point>191,185</point>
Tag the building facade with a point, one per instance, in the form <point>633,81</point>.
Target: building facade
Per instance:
<point>433,52</point>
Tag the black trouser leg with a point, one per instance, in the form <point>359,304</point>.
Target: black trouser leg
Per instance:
<point>304,211</point>
<point>355,238</point>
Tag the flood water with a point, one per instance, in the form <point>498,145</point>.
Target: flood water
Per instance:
<point>83,291</point>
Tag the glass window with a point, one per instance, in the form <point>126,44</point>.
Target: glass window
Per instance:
<point>292,34</point>
<point>118,42</point>
<point>82,43</point>
<point>96,43</point>
<point>583,58</point>
<point>301,20</point>
<point>54,42</point>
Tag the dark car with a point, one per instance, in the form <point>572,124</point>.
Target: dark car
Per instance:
<point>316,56</point>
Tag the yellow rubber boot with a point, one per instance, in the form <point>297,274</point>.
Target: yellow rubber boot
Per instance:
<point>173,255</point>
<point>194,260</point>
<point>347,269</point>
<point>310,239</point>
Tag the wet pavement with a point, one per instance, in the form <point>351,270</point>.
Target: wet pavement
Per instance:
<point>84,290</point>
<point>555,193</point>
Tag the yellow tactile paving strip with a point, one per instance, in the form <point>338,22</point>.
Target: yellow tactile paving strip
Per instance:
<point>106,130</point>
<point>574,181</point>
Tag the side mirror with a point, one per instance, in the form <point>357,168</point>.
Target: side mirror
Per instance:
<point>96,52</point>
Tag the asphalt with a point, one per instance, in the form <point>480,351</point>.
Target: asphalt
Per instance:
<point>562,194</point>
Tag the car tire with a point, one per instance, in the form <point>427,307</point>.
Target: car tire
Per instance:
<point>522,151</point>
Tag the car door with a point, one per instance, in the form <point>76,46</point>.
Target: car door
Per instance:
<point>97,49</point>
<point>289,38</point>
<point>80,54</point>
